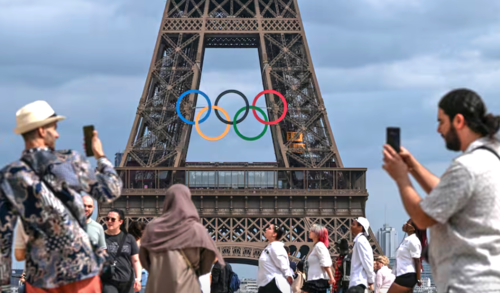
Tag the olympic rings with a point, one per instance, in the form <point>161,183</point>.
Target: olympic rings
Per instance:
<point>285,107</point>
<point>179,106</point>
<point>235,121</point>
<point>232,92</point>
<point>236,127</point>
<point>197,124</point>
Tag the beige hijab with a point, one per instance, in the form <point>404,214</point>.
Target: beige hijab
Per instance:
<point>179,227</point>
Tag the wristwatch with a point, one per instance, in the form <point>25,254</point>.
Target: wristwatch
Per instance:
<point>138,279</point>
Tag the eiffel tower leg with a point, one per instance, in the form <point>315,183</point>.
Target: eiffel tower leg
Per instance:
<point>236,201</point>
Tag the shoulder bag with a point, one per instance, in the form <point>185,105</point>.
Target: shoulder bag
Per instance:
<point>109,268</point>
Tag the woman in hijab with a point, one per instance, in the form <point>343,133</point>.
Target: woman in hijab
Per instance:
<point>175,248</point>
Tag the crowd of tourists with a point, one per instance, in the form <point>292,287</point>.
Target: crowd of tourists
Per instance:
<point>47,196</point>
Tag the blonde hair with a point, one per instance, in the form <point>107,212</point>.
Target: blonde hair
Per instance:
<point>382,259</point>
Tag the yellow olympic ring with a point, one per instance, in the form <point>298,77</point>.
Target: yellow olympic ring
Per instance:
<point>197,124</point>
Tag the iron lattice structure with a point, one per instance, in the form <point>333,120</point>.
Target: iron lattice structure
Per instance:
<point>307,184</point>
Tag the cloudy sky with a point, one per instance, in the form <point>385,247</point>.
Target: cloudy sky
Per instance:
<point>379,63</point>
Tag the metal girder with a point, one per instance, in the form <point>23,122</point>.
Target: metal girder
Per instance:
<point>155,155</point>
<point>243,238</point>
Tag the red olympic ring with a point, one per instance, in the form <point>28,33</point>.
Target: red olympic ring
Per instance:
<point>285,107</point>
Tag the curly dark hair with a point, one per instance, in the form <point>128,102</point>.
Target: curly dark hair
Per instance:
<point>470,105</point>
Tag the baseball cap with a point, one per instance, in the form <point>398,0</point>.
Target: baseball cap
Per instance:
<point>364,222</point>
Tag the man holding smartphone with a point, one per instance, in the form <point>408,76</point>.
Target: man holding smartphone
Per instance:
<point>462,207</point>
<point>43,189</point>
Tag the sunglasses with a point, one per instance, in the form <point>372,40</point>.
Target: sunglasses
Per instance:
<point>110,219</point>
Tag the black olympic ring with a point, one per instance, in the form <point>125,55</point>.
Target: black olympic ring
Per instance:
<point>246,110</point>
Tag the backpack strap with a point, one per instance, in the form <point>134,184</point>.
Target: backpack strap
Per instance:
<point>119,251</point>
<point>186,259</point>
<point>190,265</point>
<point>483,147</point>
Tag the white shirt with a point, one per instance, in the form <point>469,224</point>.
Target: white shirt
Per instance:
<point>21,237</point>
<point>274,264</point>
<point>318,259</point>
<point>409,249</point>
<point>362,262</point>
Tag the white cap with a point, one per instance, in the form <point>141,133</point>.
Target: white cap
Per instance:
<point>35,115</point>
<point>364,222</point>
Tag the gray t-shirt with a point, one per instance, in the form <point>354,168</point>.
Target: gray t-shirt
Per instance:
<point>464,246</point>
<point>96,233</point>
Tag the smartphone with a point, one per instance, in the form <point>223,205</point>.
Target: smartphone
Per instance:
<point>88,133</point>
<point>394,138</point>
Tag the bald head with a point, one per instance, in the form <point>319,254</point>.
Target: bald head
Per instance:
<point>88,204</point>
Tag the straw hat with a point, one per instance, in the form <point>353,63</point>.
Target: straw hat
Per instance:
<point>35,115</point>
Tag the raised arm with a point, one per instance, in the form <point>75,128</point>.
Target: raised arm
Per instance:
<point>424,177</point>
<point>104,184</point>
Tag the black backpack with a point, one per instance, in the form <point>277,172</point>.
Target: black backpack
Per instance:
<point>345,271</point>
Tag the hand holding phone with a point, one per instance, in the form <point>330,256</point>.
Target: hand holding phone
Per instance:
<point>394,138</point>
<point>88,133</point>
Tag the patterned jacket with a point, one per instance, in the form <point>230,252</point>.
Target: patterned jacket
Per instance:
<point>59,251</point>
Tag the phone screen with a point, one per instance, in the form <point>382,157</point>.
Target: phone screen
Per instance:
<point>394,138</point>
<point>88,133</point>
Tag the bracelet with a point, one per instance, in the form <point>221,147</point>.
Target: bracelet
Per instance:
<point>138,279</point>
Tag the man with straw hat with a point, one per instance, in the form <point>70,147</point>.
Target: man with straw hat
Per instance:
<point>43,190</point>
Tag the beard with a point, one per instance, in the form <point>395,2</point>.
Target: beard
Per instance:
<point>90,215</point>
<point>50,141</point>
<point>452,141</point>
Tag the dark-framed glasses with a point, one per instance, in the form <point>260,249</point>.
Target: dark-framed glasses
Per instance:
<point>108,219</point>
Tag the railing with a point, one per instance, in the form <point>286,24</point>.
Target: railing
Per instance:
<point>242,179</point>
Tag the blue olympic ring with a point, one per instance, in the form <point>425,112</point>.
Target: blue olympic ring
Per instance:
<point>191,92</point>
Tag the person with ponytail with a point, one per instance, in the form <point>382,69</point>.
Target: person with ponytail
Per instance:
<point>462,207</point>
<point>319,275</point>
<point>409,259</point>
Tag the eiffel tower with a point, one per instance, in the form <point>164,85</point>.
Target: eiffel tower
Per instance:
<point>236,201</point>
